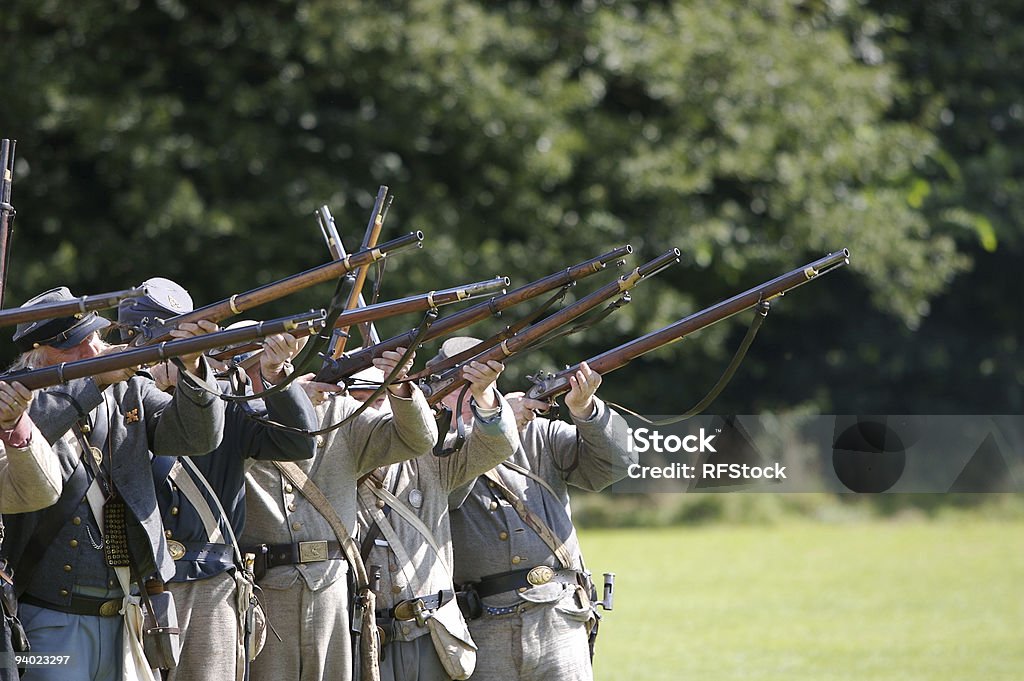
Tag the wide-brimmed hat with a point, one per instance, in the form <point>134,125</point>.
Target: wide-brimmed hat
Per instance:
<point>59,332</point>
<point>451,347</point>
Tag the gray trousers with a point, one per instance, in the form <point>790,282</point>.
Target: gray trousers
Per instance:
<point>538,642</point>
<point>316,643</point>
<point>209,629</point>
<point>414,660</point>
<point>94,644</point>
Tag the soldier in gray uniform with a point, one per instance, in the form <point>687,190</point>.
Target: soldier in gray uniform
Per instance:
<point>404,529</point>
<point>516,547</point>
<point>207,584</point>
<point>102,430</point>
<point>305,589</point>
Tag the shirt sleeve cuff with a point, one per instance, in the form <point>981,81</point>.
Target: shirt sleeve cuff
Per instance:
<point>20,436</point>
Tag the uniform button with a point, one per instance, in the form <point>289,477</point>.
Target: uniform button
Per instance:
<point>112,583</point>
<point>493,506</point>
<point>288,488</point>
<point>73,543</point>
<point>296,526</point>
<point>516,560</point>
<point>67,568</point>
<point>396,589</point>
<point>405,630</point>
<point>76,520</point>
<point>168,534</point>
<point>64,593</point>
<point>174,510</point>
<point>394,568</point>
<point>291,507</point>
<point>503,536</point>
<point>380,503</point>
<point>522,589</point>
<point>490,483</point>
<point>320,440</point>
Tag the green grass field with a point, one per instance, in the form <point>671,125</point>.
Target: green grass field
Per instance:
<point>877,600</point>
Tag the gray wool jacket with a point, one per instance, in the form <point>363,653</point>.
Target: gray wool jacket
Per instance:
<point>128,421</point>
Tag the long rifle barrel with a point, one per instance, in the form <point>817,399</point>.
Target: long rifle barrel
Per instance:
<point>335,370</point>
<point>7,211</point>
<point>61,373</point>
<point>65,308</point>
<point>616,358</point>
<point>241,302</point>
<point>451,380</point>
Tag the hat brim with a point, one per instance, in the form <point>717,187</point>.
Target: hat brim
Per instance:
<point>82,331</point>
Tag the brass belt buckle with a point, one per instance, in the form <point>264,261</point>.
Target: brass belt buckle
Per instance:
<point>110,608</point>
<point>176,549</point>
<point>542,574</point>
<point>312,551</point>
<point>413,609</point>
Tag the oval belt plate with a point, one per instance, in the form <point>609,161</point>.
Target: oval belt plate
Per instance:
<point>110,608</point>
<point>542,574</point>
<point>176,548</point>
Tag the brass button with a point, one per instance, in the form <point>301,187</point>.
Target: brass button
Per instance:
<point>503,536</point>
<point>168,534</point>
<point>522,589</point>
<point>86,428</point>
<point>490,483</point>
<point>380,503</point>
<point>112,583</point>
<point>73,543</point>
<point>67,568</point>
<point>493,506</point>
<point>396,589</point>
<point>291,507</point>
<point>76,520</point>
<point>64,592</point>
<point>174,510</point>
<point>516,560</point>
<point>394,568</point>
<point>320,441</point>
<point>296,526</point>
<point>287,488</point>
<point>405,630</point>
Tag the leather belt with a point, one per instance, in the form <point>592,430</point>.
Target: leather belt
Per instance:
<point>79,605</point>
<point>521,580</point>
<point>274,555</point>
<point>201,552</point>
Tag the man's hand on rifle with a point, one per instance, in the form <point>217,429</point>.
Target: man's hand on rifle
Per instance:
<point>14,401</point>
<point>525,408</point>
<point>482,379</point>
<point>580,400</point>
<point>191,330</point>
<point>387,363</point>
<point>117,375</point>
<point>278,351</point>
<point>317,392</point>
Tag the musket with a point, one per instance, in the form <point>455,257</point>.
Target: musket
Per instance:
<point>437,386</point>
<point>241,302</point>
<point>348,364</point>
<point>65,308</point>
<point>548,386</point>
<point>35,379</point>
<point>380,209</point>
<point>391,308</point>
<point>329,229</point>
<point>7,211</point>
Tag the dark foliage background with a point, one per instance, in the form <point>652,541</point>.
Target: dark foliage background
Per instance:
<point>194,140</point>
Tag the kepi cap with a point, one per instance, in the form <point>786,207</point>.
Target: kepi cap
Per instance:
<point>161,299</point>
<point>60,332</point>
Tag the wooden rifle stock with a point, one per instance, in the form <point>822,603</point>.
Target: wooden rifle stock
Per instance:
<point>7,211</point>
<point>346,365</point>
<point>241,302</point>
<point>391,308</point>
<point>65,308</point>
<point>35,379</point>
<point>355,296</point>
<point>435,389</point>
<point>550,386</point>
